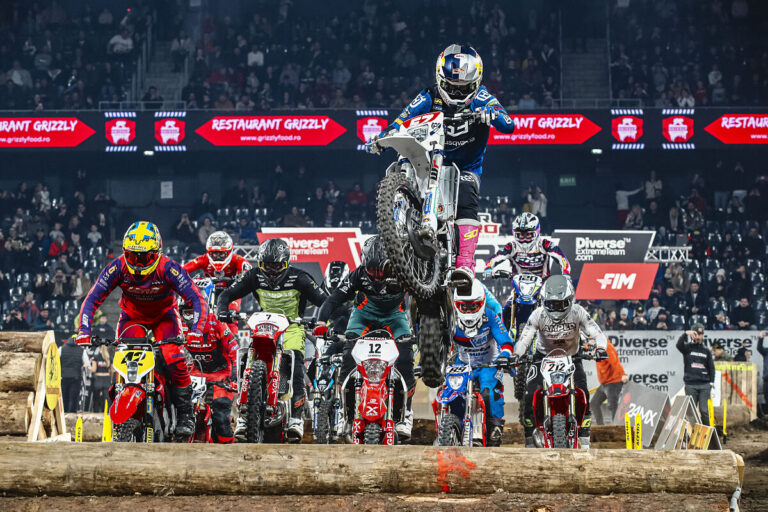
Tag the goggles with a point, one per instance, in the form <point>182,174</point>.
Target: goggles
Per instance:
<point>557,305</point>
<point>273,268</point>
<point>468,308</point>
<point>141,259</point>
<point>525,236</point>
<point>218,255</point>
<point>457,91</point>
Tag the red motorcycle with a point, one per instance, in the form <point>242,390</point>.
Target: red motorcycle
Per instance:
<point>375,354</point>
<point>202,395</point>
<point>559,406</point>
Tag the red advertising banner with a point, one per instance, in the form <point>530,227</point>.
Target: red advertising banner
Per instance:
<point>547,129</point>
<point>169,131</point>
<point>120,131</point>
<point>613,281</point>
<point>677,128</point>
<point>740,129</point>
<point>43,132</point>
<point>627,128</point>
<point>270,130</point>
<point>368,127</point>
<point>319,245</point>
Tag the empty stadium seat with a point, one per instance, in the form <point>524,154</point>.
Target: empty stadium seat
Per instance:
<point>676,322</point>
<point>697,319</point>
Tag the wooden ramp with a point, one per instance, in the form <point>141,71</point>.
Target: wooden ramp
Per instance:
<point>110,469</point>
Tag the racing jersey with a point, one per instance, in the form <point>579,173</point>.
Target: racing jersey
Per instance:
<point>564,334</point>
<point>538,261</point>
<point>144,297</point>
<point>484,347</point>
<point>465,140</point>
<point>238,265</point>
<point>217,350</point>
<point>377,298</point>
<point>288,297</point>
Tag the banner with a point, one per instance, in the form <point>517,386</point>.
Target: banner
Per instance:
<point>587,246</point>
<point>43,132</point>
<point>552,129</point>
<point>652,359</point>
<point>649,405</point>
<point>616,281</point>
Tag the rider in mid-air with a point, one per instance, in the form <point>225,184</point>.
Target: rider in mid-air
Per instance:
<point>150,282</point>
<point>558,323</point>
<point>481,338</point>
<point>459,71</point>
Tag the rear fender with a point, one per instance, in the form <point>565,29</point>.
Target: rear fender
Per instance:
<point>126,404</point>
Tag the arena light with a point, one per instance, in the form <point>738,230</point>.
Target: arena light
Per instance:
<point>149,152</point>
<point>597,151</point>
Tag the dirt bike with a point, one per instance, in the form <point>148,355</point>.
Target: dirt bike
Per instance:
<point>140,411</point>
<point>375,354</point>
<point>202,396</point>
<point>460,411</point>
<point>559,406</point>
<point>416,213</point>
<point>264,396</point>
<point>325,395</point>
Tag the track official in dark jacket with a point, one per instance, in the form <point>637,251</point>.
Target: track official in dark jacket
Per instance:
<point>699,368</point>
<point>71,374</point>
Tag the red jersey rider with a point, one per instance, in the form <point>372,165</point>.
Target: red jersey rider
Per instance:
<point>219,261</point>
<point>150,282</point>
<point>217,356</point>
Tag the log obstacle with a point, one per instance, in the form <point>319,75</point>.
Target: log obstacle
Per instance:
<point>66,469</point>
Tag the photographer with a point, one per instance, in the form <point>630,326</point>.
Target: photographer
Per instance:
<point>14,321</point>
<point>698,368</point>
<point>184,231</point>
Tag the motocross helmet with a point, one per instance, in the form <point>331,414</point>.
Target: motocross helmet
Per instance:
<point>141,247</point>
<point>470,309</point>
<point>219,249</point>
<point>335,273</point>
<point>272,259</point>
<point>459,71</point>
<point>373,257</point>
<point>527,229</point>
<point>558,297</point>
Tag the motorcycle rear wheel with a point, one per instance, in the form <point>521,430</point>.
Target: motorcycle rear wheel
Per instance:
<point>559,432</point>
<point>323,427</point>
<point>257,398</point>
<point>449,431</point>
<point>432,350</point>
<point>372,434</point>
<point>126,432</point>
<point>399,214</point>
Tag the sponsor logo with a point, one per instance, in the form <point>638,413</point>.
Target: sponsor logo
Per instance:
<point>169,131</point>
<point>120,131</point>
<point>469,235</point>
<point>627,128</point>
<point>616,281</point>
<point>487,226</point>
<point>270,130</point>
<point>547,129</point>
<point>740,129</point>
<point>369,127</point>
<point>319,245</point>
<point>586,246</point>
<point>41,132</point>
<point>677,128</point>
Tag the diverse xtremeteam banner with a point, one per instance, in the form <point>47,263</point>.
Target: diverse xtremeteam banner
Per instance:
<point>591,246</point>
<point>179,131</point>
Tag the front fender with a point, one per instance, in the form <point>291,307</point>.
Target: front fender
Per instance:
<point>126,404</point>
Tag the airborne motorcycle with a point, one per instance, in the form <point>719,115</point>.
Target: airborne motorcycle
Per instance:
<point>416,213</point>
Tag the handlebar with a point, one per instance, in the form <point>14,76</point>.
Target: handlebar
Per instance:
<point>464,115</point>
<point>503,274</point>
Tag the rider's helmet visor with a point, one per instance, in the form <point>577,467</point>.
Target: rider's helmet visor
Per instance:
<point>469,307</point>
<point>457,91</point>
<point>273,268</point>
<point>218,255</point>
<point>141,259</point>
<point>557,305</point>
<point>525,236</point>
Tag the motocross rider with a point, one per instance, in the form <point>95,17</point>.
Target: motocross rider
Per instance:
<point>148,280</point>
<point>459,71</point>
<point>219,261</point>
<point>217,356</point>
<point>279,288</point>
<point>335,274</point>
<point>481,338</point>
<point>558,323</point>
<point>379,304</point>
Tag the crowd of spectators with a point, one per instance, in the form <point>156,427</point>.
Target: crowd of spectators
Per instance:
<point>376,54</point>
<point>56,56</point>
<point>51,250</point>
<point>690,52</point>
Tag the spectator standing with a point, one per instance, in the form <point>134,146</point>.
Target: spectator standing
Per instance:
<point>653,188</point>
<point>538,202</point>
<point>100,367</point>
<point>317,206</point>
<point>698,368</point>
<point>622,203</point>
<point>611,375</point>
<point>181,47</point>
<point>754,245</point>
<point>71,374</point>
<point>675,222</point>
<point>740,283</point>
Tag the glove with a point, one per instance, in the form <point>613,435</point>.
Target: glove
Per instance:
<point>487,273</point>
<point>195,338</point>
<point>601,354</point>
<point>503,357</point>
<point>372,146</point>
<point>83,340</point>
<point>487,114</point>
<point>224,316</point>
<point>320,330</point>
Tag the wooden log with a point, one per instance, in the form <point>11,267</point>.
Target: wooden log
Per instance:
<point>93,424</point>
<point>185,469</point>
<point>17,371</point>
<point>15,341</point>
<point>13,412</point>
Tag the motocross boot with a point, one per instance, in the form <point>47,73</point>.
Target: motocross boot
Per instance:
<point>240,428</point>
<point>529,442</point>
<point>495,431</point>
<point>295,427</point>
<point>584,442</point>
<point>185,417</point>
<point>469,233</point>
<point>405,427</point>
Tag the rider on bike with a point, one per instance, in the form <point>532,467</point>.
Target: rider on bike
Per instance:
<point>149,282</point>
<point>217,356</point>
<point>481,338</point>
<point>279,288</point>
<point>558,323</point>
<point>459,71</point>
<point>219,261</point>
<point>335,274</point>
<point>379,304</point>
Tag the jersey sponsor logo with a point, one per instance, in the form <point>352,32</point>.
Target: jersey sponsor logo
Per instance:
<point>677,128</point>
<point>616,281</point>
<point>483,95</point>
<point>453,130</point>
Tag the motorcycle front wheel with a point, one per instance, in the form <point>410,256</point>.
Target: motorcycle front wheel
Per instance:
<point>323,426</point>
<point>372,434</point>
<point>449,431</point>
<point>126,432</point>
<point>257,398</point>
<point>399,214</point>
<point>559,432</point>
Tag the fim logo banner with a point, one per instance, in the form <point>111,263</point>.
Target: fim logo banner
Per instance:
<point>617,281</point>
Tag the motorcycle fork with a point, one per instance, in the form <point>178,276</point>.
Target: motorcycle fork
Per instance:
<point>467,431</point>
<point>149,408</point>
<point>358,424</point>
<point>432,197</point>
<point>273,385</point>
<point>389,424</point>
<point>246,380</point>
<point>337,405</point>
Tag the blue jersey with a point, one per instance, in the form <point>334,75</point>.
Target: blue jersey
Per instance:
<point>465,140</point>
<point>492,337</point>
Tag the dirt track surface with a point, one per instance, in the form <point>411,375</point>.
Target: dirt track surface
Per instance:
<point>361,503</point>
<point>751,442</point>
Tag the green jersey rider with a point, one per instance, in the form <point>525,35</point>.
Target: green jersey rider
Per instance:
<point>279,288</point>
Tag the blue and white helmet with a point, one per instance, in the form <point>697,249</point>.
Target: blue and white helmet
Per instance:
<point>459,73</point>
<point>527,229</point>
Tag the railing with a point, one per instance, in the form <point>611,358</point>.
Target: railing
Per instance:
<point>668,254</point>
<point>138,80</point>
<point>598,103</point>
<point>142,105</point>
